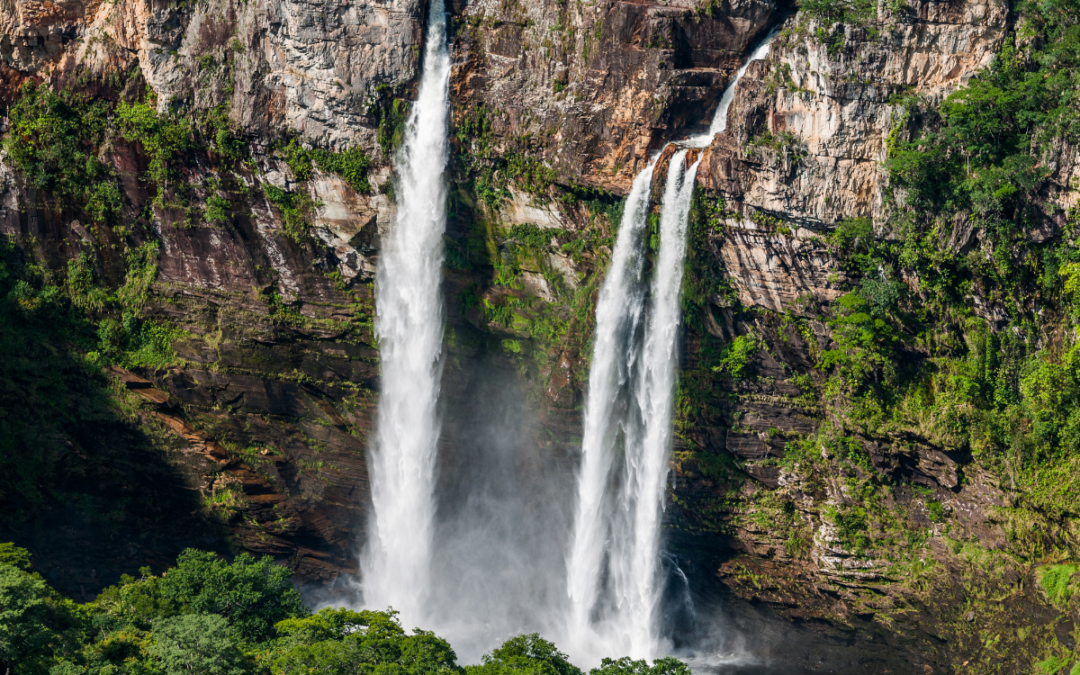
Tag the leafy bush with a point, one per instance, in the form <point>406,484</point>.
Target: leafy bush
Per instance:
<point>533,236</point>
<point>865,345</point>
<point>1059,582</point>
<point>54,140</point>
<point>251,594</point>
<point>352,164</point>
<point>35,624</point>
<point>736,356</point>
<point>293,206</point>
<point>164,138</point>
<point>344,642</point>
<point>200,644</point>
<point>626,666</point>
<point>525,655</point>
<point>392,121</point>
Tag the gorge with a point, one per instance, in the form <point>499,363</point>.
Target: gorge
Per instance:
<point>741,331</point>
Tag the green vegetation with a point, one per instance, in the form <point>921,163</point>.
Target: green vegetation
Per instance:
<point>54,140</point>
<point>917,356</point>
<point>164,139</point>
<point>352,164</point>
<point>58,329</point>
<point>1060,582</point>
<point>295,207</point>
<point>1052,665</point>
<point>491,169</point>
<point>736,356</point>
<point>207,616</point>
<point>841,11</point>
<point>393,115</point>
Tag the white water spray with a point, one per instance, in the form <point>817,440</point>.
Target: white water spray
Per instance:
<point>396,564</point>
<point>614,580</point>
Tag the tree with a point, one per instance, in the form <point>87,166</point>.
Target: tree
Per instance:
<point>251,594</point>
<point>13,555</point>
<point>132,602</point>
<point>343,642</point>
<point>525,655</point>
<point>35,625</point>
<point>624,666</point>
<point>196,644</point>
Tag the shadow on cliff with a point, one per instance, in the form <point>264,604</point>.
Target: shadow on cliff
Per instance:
<point>719,633</point>
<point>85,483</point>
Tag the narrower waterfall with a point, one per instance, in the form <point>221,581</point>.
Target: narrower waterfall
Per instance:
<point>613,569</point>
<point>618,317</point>
<point>396,564</point>
<point>647,464</point>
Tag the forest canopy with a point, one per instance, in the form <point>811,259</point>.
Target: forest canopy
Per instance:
<point>207,616</point>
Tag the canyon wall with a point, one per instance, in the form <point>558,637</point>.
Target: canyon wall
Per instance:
<point>259,409</point>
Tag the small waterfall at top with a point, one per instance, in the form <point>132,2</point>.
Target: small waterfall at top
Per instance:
<point>396,564</point>
<point>614,574</point>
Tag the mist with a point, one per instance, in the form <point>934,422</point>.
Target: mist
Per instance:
<point>504,508</point>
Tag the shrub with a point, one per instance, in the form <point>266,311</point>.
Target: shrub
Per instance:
<point>196,644</point>
<point>252,594</point>
<point>736,356</point>
<point>54,140</point>
<point>1058,581</point>
<point>525,655</point>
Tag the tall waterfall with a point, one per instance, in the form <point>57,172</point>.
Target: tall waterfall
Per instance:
<point>618,317</point>
<point>613,568</point>
<point>396,564</point>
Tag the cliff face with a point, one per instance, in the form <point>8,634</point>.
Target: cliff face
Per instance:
<point>593,89</point>
<point>886,533</point>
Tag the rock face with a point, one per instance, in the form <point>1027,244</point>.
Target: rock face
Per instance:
<point>833,113</point>
<point>265,405</point>
<point>593,89</point>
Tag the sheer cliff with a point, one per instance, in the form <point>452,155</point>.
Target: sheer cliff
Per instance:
<point>875,462</point>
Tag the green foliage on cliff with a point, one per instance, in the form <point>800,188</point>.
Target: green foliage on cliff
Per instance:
<point>295,208</point>
<point>58,329</point>
<point>492,169</point>
<point>736,356</point>
<point>1060,582</point>
<point>393,115</point>
<point>164,138</point>
<point>53,141</point>
<point>959,321</point>
<point>842,11</point>
<point>351,164</point>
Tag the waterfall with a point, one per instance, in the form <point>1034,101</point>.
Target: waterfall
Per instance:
<point>618,315</point>
<point>719,121</point>
<point>396,564</point>
<point>613,568</point>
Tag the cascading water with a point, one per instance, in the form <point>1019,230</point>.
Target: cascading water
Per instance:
<point>635,545</point>
<point>618,315</point>
<point>396,564</point>
<point>613,570</point>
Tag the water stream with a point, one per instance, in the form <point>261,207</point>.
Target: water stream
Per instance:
<point>614,579</point>
<point>396,562</point>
